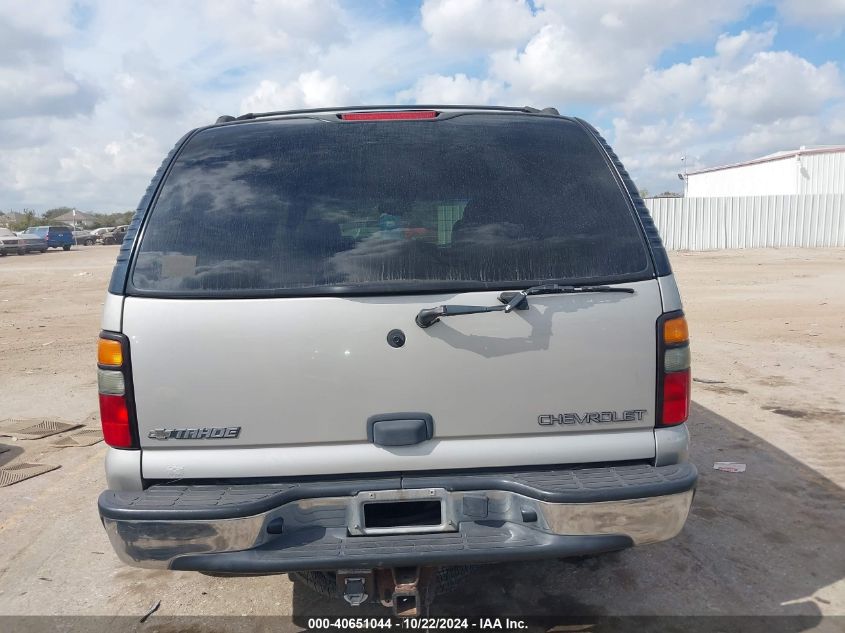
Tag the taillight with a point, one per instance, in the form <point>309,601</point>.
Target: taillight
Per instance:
<point>114,416</point>
<point>402,115</point>
<point>674,370</point>
<point>114,384</point>
<point>676,397</point>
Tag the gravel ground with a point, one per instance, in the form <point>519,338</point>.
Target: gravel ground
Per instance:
<point>767,334</point>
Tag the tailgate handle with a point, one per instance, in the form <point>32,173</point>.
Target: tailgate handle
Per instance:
<point>400,429</point>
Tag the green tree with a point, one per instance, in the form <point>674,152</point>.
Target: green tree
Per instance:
<point>24,220</point>
<point>54,213</point>
<point>111,219</point>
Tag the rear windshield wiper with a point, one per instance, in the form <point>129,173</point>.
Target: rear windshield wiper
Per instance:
<point>511,300</point>
<point>429,316</point>
<point>517,299</point>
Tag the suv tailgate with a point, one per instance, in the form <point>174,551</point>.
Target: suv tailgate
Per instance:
<point>309,372</point>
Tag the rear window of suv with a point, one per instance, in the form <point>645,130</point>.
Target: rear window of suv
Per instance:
<point>307,206</point>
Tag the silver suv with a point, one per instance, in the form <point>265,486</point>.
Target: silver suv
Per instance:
<point>443,336</point>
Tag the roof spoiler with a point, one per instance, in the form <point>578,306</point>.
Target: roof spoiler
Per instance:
<point>226,118</point>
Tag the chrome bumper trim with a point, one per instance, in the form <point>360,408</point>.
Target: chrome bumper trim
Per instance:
<point>156,544</point>
<point>648,520</point>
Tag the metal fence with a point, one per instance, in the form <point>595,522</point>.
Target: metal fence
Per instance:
<point>699,224</point>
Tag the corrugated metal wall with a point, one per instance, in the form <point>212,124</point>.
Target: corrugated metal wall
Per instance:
<point>822,173</point>
<point>699,224</point>
<point>773,177</point>
<point>808,173</point>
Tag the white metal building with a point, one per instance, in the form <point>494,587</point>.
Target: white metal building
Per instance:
<point>809,170</point>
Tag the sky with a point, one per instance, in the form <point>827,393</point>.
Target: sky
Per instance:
<point>93,94</point>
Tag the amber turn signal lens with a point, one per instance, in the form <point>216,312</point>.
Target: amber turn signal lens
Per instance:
<point>675,331</point>
<point>109,353</point>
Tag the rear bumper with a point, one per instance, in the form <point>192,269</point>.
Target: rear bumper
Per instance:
<point>316,525</point>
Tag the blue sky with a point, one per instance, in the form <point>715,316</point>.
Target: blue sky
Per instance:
<point>95,92</point>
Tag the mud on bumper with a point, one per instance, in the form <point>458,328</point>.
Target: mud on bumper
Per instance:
<point>320,525</point>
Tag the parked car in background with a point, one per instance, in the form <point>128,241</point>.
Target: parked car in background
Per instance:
<point>8,242</point>
<point>100,232</point>
<point>56,236</point>
<point>115,236</point>
<point>33,243</point>
<point>84,237</point>
<point>21,243</point>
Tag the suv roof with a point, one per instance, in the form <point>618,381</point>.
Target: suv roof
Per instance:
<point>250,116</point>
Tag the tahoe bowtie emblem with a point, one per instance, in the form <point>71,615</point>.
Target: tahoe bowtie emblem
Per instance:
<point>591,417</point>
<point>204,433</point>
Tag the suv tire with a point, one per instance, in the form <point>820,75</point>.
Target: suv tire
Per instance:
<point>66,247</point>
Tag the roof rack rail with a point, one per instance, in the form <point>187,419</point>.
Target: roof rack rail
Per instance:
<point>256,115</point>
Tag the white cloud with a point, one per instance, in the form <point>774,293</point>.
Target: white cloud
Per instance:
<point>34,79</point>
<point>288,27</point>
<point>94,93</point>
<point>743,101</point>
<point>594,52</point>
<point>83,169</point>
<point>781,134</point>
<point>16,134</point>
<point>668,134</point>
<point>837,122</point>
<point>828,15</point>
<point>556,67</point>
<point>663,92</point>
<point>380,60</point>
<point>741,80</point>
<point>646,24</point>
<point>731,49</point>
<point>774,85</point>
<point>309,90</point>
<point>457,89</point>
<point>477,25</point>
<point>147,89</point>
<point>43,90</point>
<point>40,18</point>
<point>568,52</point>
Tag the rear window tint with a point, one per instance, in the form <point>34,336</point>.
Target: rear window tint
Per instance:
<point>307,206</point>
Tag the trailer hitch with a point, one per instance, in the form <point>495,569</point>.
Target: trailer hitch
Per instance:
<point>408,590</point>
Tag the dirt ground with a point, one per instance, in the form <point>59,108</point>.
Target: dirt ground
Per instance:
<point>768,337</point>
